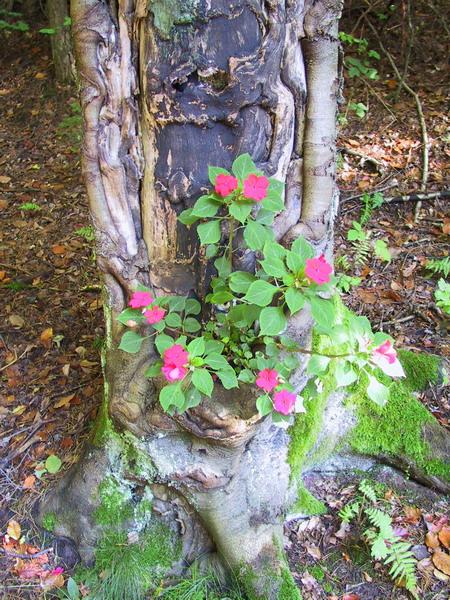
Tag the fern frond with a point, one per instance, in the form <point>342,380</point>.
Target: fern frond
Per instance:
<point>439,266</point>
<point>349,512</point>
<point>362,252</point>
<point>403,565</point>
<point>381,521</point>
<point>368,491</point>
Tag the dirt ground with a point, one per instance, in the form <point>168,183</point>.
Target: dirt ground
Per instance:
<point>51,328</point>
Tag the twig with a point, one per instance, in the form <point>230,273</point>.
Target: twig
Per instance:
<point>407,197</point>
<point>365,157</point>
<point>423,126</point>
<point>17,358</point>
<point>28,556</point>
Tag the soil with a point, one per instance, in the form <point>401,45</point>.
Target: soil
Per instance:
<point>51,328</point>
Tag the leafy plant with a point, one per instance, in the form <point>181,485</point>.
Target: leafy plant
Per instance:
<point>70,128</point>
<point>442,295</point>
<point>370,203</point>
<point>358,108</point>
<point>439,266</point>
<point>12,21</point>
<point>51,30</point>
<point>361,65</point>
<point>241,340</point>
<point>379,533</point>
<point>86,232</point>
<point>30,206</point>
<point>52,465</point>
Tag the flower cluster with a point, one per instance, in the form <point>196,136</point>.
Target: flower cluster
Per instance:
<point>152,313</point>
<point>244,340</point>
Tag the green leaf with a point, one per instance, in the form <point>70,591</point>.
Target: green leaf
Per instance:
<point>240,281</point>
<point>256,235</point>
<point>323,311</point>
<point>223,266</point>
<point>191,325</point>
<point>177,303</point>
<point>272,320</point>
<point>202,380</point>
<point>295,300</point>
<point>243,166</point>
<point>193,398</point>
<point>265,217</point>
<point>213,346</point>
<point>246,376</point>
<point>173,320</point>
<point>302,249</point>
<point>216,361</point>
<point>196,347</point>
<point>382,251</point>
<point>274,266</point>
<point>261,293</point>
<point>153,370</point>
<point>171,395</point>
<point>205,207</point>
<point>130,314</point>
<point>211,250</point>
<point>53,464</point>
<point>264,405</point>
<point>274,249</point>
<point>186,217</point>
<point>317,364</point>
<point>377,392</point>
<point>214,171</point>
<point>73,589</point>
<point>344,374</point>
<point>221,297</point>
<point>244,315</point>
<point>209,232</point>
<point>228,378</point>
<point>193,307</point>
<point>131,342</point>
<point>273,202</point>
<point>240,210</point>
<point>48,31</point>
<point>162,342</point>
<point>294,261</point>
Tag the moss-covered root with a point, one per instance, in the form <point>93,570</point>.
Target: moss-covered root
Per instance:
<point>404,433</point>
<point>269,578</point>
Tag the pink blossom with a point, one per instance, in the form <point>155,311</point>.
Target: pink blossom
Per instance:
<point>255,188</point>
<point>385,357</point>
<point>57,571</point>
<point>154,315</point>
<point>175,363</point>
<point>284,401</point>
<point>225,184</point>
<point>140,299</point>
<point>267,379</point>
<point>318,270</point>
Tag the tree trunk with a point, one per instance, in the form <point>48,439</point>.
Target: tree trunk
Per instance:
<point>60,40</point>
<point>168,88</point>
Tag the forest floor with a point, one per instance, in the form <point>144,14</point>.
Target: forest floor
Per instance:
<point>51,327</point>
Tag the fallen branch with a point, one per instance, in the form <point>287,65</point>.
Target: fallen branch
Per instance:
<point>365,157</point>
<point>26,556</point>
<point>415,197</point>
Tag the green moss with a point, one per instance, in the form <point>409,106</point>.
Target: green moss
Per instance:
<point>421,369</point>
<point>49,521</point>
<point>317,572</point>
<point>307,503</point>
<point>289,589</point>
<point>395,429</point>
<point>168,14</point>
<point>103,428</point>
<point>115,503</point>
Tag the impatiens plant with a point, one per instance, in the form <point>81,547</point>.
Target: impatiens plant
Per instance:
<point>237,338</point>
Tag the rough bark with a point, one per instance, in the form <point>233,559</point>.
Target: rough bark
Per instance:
<point>61,43</point>
<point>166,89</point>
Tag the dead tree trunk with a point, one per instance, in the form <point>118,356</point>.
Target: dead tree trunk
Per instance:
<point>166,89</point>
<point>60,40</point>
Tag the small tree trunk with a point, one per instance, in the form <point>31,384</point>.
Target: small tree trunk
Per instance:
<point>60,40</point>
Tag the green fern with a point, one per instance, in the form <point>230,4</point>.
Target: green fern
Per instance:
<point>363,250</point>
<point>439,266</point>
<point>367,490</point>
<point>349,512</point>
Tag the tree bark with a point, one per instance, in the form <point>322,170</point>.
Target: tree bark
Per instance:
<point>60,40</point>
<point>166,89</point>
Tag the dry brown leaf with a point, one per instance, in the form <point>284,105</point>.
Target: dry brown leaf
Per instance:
<point>46,336</point>
<point>5,179</point>
<point>16,321</point>
<point>58,249</point>
<point>64,402</point>
<point>431,540</point>
<point>413,514</point>
<point>29,482</point>
<point>444,536</point>
<point>14,530</point>
<point>40,75</point>
<point>441,561</point>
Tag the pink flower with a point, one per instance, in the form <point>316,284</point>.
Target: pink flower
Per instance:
<point>284,401</point>
<point>57,571</point>
<point>318,270</point>
<point>267,379</point>
<point>225,184</point>
<point>154,315</point>
<point>175,362</point>
<point>255,188</point>
<point>385,357</point>
<point>140,299</point>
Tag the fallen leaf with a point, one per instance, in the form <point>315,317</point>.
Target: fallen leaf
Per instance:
<point>29,482</point>
<point>444,536</point>
<point>4,179</point>
<point>58,249</point>
<point>413,514</point>
<point>441,561</point>
<point>351,597</point>
<point>16,321</point>
<point>46,336</point>
<point>313,551</point>
<point>64,402</point>
<point>431,540</point>
<point>14,530</point>
<point>40,75</point>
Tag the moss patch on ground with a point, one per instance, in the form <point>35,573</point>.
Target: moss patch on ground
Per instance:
<point>49,521</point>
<point>307,503</point>
<point>396,429</point>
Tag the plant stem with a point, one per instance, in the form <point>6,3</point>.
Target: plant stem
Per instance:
<point>230,242</point>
